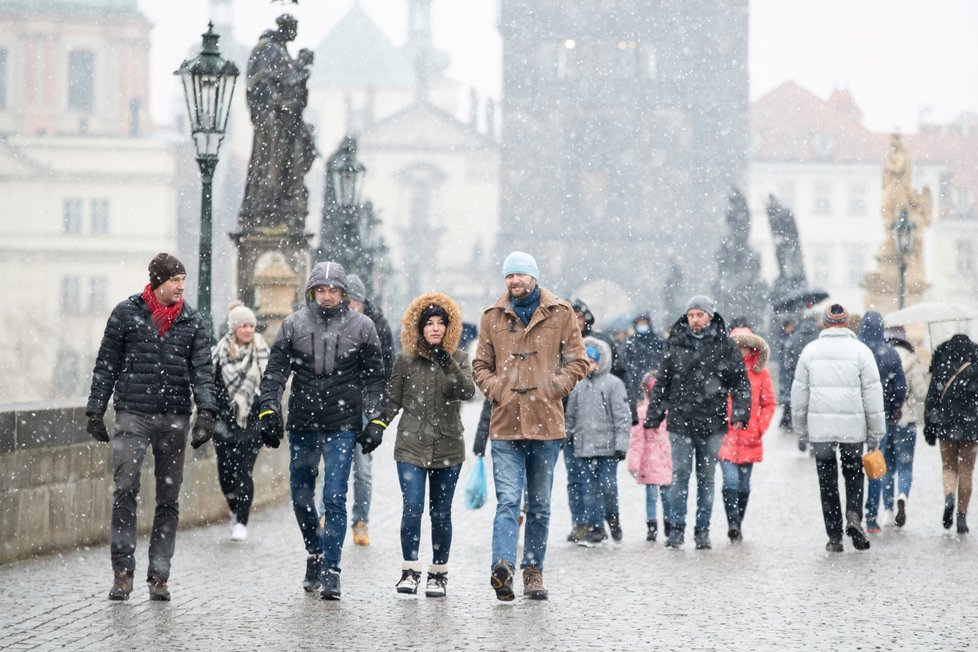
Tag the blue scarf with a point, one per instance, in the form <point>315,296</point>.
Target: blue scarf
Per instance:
<point>526,306</point>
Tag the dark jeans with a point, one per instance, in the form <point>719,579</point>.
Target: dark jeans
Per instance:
<point>827,466</point>
<point>237,449</point>
<point>442,490</point>
<point>704,446</point>
<point>575,480</point>
<point>898,451</point>
<point>600,489</point>
<point>336,451</point>
<point>134,433</point>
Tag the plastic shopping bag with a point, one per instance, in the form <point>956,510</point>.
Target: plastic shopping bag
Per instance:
<point>475,488</point>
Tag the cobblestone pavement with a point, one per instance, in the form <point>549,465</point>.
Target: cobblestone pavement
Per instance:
<point>915,589</point>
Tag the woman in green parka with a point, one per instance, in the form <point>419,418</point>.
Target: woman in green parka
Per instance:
<point>431,378</point>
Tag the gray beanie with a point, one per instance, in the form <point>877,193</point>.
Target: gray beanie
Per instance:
<point>702,302</point>
<point>357,291</point>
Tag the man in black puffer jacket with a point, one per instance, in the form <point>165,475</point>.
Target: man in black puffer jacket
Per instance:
<point>339,380</point>
<point>701,368</point>
<point>154,352</point>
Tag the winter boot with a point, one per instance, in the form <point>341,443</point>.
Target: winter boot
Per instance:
<point>502,580</point>
<point>577,533</point>
<point>157,589</point>
<point>701,536</point>
<point>901,514</point>
<point>855,531</point>
<point>330,584</point>
<point>361,533</point>
<point>653,528</point>
<point>676,537</point>
<point>595,537</point>
<point>962,523</point>
<point>314,570</point>
<point>410,577</point>
<point>742,497</point>
<point>121,586</point>
<point>731,498</point>
<point>533,583</point>
<point>948,520</point>
<point>614,525</point>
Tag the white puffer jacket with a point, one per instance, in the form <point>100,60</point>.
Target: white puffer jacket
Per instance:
<point>837,395</point>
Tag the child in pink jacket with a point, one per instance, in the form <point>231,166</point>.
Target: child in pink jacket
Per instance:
<point>650,461</point>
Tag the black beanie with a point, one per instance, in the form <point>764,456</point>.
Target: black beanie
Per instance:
<point>163,268</point>
<point>428,313</point>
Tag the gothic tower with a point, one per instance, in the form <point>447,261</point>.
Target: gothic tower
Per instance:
<point>624,127</point>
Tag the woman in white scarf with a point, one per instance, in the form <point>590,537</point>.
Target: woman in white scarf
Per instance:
<point>239,361</point>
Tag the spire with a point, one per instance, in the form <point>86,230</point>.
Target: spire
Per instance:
<point>429,63</point>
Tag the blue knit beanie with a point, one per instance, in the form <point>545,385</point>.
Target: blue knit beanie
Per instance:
<point>519,262</point>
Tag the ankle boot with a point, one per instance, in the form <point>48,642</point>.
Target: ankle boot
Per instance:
<point>962,523</point>
<point>614,526</point>
<point>730,500</point>
<point>653,530</point>
<point>948,519</point>
<point>742,504</point>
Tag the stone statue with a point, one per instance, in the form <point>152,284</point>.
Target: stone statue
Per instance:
<point>739,290</point>
<point>283,147</point>
<point>791,265</point>
<point>883,284</point>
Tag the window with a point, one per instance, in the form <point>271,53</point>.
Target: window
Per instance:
<point>72,216</point>
<point>786,194</point>
<point>98,294</point>
<point>81,80</point>
<point>857,200</point>
<point>100,216</point>
<point>3,78</point>
<point>70,294</point>
<point>822,202</point>
<point>857,261</point>
<point>821,263</point>
<point>67,379</point>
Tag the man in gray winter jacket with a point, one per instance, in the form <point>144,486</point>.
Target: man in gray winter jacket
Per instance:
<point>335,355</point>
<point>837,402</point>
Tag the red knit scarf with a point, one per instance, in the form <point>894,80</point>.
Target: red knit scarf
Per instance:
<point>163,316</point>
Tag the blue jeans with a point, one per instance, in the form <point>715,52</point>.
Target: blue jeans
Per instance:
<point>513,464</point>
<point>575,480</point>
<point>335,449</point>
<point>898,450</point>
<point>442,482</point>
<point>362,485</point>
<point>736,476</point>
<point>600,488</point>
<point>704,446</point>
<point>652,493</point>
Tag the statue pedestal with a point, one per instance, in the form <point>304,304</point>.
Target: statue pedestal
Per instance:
<point>270,259</point>
<point>883,290</point>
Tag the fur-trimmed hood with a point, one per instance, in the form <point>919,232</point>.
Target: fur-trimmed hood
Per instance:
<point>411,340</point>
<point>604,352</point>
<point>747,338</point>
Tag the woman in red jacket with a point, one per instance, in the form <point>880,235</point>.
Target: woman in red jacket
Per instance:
<point>742,448</point>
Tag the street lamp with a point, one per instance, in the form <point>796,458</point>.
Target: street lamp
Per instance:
<point>208,85</point>
<point>903,230</point>
<point>347,174</point>
<point>340,239</point>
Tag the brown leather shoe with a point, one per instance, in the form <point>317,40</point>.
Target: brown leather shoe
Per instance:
<point>533,583</point>
<point>158,590</point>
<point>121,587</point>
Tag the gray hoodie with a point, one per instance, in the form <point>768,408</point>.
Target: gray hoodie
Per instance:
<point>598,417</point>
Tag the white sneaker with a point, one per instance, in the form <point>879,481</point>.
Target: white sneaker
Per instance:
<point>409,581</point>
<point>239,532</point>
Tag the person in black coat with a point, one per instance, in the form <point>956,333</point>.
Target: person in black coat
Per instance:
<point>154,354</point>
<point>702,367</point>
<point>643,352</point>
<point>951,417</point>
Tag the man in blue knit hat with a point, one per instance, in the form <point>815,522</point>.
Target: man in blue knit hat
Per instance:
<point>530,356</point>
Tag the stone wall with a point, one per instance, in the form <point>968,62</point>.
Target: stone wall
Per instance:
<point>56,482</point>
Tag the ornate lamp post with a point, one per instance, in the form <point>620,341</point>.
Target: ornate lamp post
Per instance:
<point>208,85</point>
<point>902,232</point>
<point>340,233</point>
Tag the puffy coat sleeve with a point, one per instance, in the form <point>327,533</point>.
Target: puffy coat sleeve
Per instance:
<point>621,412</point>
<point>277,370</point>
<point>201,369</point>
<point>108,363</point>
<point>739,384</point>
<point>459,385</point>
<point>767,402</point>
<point>373,381</point>
<point>636,443</point>
<point>395,389</point>
<point>872,394</point>
<point>800,395</point>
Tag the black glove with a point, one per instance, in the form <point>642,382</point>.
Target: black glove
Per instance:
<point>203,429</point>
<point>96,428</point>
<point>620,455</point>
<point>479,446</point>
<point>370,437</point>
<point>930,436</point>
<point>270,428</point>
<point>442,357</point>
<point>650,423</point>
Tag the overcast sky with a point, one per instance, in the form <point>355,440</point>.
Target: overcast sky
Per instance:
<point>897,57</point>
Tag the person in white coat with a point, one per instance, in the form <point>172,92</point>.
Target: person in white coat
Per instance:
<point>837,403</point>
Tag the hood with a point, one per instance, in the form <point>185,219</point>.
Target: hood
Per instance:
<point>950,355</point>
<point>411,342</point>
<point>759,352</point>
<point>604,364</point>
<point>717,328</point>
<point>871,329</point>
<point>328,273</point>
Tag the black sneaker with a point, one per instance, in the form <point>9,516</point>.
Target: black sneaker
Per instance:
<point>314,570</point>
<point>330,584</point>
<point>948,520</point>
<point>702,538</point>
<point>834,546</point>
<point>158,590</point>
<point>856,532</point>
<point>502,580</point>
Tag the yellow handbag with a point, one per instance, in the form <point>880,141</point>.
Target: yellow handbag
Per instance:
<point>874,464</point>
